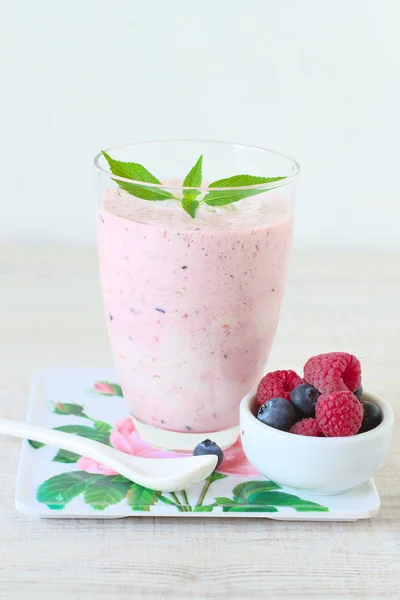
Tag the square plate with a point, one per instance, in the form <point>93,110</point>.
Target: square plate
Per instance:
<point>55,483</point>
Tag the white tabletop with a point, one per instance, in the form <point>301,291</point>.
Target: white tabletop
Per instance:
<point>51,314</point>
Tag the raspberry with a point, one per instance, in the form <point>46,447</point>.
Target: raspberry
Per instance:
<point>277,384</point>
<point>308,427</point>
<point>333,372</point>
<point>339,414</point>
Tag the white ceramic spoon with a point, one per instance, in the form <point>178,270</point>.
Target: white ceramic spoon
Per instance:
<point>161,474</point>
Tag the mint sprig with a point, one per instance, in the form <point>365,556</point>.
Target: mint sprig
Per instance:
<point>190,202</point>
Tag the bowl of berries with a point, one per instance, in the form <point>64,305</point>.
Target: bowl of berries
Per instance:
<point>321,433</point>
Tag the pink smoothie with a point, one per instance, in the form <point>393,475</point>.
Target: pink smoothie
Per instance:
<point>192,305</point>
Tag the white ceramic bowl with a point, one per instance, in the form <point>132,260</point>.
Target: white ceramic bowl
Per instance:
<point>316,465</point>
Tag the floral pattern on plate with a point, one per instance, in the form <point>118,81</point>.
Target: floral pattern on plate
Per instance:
<point>100,487</point>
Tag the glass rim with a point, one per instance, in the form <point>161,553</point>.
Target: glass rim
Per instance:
<point>259,186</point>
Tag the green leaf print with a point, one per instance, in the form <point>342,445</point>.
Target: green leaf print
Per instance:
<point>265,496</point>
<point>283,499</point>
<point>165,500</point>
<point>229,505</point>
<point>207,508</point>
<point>65,408</point>
<point>100,433</point>
<point>106,490</point>
<point>57,491</point>
<point>36,445</point>
<point>207,482</point>
<point>141,498</point>
<point>117,389</point>
<point>66,457</point>
<point>87,432</point>
<point>216,476</point>
<point>242,491</point>
<point>103,427</point>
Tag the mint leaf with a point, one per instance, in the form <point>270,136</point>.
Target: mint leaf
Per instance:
<point>137,172</point>
<point>222,197</point>
<point>241,180</point>
<point>190,206</point>
<point>145,193</point>
<point>193,179</point>
<point>130,170</point>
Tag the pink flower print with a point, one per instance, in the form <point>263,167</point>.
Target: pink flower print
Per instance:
<point>235,462</point>
<point>92,466</point>
<point>126,439</point>
<point>103,387</point>
<point>125,426</point>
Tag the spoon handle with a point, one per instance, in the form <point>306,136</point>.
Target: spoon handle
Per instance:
<point>165,475</point>
<point>58,439</point>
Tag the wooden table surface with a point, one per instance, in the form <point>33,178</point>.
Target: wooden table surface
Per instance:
<point>51,315</point>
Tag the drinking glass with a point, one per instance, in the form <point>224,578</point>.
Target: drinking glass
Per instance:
<point>192,303</point>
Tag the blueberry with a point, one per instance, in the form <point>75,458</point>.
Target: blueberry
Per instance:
<point>359,393</point>
<point>209,447</point>
<point>278,413</point>
<point>304,398</point>
<point>372,417</point>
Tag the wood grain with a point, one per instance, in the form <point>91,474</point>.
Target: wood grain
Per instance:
<point>51,314</point>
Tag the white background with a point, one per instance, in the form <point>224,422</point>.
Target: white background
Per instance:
<point>317,79</point>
